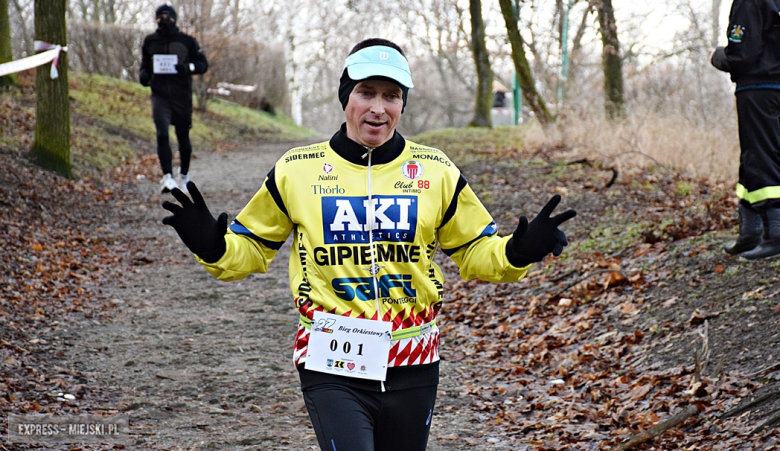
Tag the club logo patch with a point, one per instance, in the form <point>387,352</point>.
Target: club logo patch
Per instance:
<point>412,170</point>
<point>737,33</point>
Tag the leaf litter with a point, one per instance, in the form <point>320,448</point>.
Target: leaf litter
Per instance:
<point>591,349</point>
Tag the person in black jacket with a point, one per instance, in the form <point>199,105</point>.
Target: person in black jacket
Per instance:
<point>753,61</point>
<point>169,58</point>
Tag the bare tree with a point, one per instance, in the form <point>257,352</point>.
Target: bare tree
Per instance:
<point>6,52</point>
<point>484,99</point>
<point>522,68</point>
<point>22,39</point>
<point>576,45</point>
<point>216,24</point>
<point>106,49</point>
<point>715,23</point>
<point>101,11</point>
<point>438,37</point>
<point>51,147</point>
<point>612,64</point>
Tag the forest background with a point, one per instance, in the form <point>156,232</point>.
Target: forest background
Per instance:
<point>679,110</point>
<point>638,288</point>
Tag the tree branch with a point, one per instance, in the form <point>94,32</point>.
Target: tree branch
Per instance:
<point>755,403</point>
<point>768,423</point>
<point>658,429</point>
<point>765,370</point>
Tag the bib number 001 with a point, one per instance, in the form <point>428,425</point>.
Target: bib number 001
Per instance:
<point>334,346</point>
<point>350,347</point>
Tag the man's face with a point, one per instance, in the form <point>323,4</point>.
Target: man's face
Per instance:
<point>165,17</point>
<point>373,111</point>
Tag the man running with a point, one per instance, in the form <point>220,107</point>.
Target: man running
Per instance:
<point>168,60</point>
<point>367,210</point>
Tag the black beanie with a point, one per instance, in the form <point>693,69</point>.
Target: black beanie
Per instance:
<point>346,85</point>
<point>166,9</point>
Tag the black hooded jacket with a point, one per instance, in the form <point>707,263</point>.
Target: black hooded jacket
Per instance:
<point>171,41</point>
<point>752,56</point>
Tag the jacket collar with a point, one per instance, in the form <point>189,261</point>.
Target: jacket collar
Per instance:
<point>353,152</point>
<point>167,31</point>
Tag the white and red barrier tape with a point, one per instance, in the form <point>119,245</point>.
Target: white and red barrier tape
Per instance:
<point>51,53</point>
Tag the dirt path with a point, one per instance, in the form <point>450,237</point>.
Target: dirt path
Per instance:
<point>202,364</point>
<point>199,364</point>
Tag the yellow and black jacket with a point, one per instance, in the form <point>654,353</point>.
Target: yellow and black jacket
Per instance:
<point>321,193</point>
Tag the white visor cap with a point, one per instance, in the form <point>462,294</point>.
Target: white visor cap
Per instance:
<point>379,61</point>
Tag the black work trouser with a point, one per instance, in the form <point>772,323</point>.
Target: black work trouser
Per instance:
<point>350,419</point>
<point>165,113</point>
<point>758,113</point>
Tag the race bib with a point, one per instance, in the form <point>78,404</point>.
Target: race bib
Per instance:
<point>164,64</point>
<point>350,347</point>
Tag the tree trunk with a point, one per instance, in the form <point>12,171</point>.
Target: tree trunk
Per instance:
<point>611,63</point>
<point>6,52</point>
<point>25,33</point>
<point>715,23</point>
<point>576,45</point>
<point>110,11</point>
<point>51,148</point>
<point>524,76</point>
<point>484,100</point>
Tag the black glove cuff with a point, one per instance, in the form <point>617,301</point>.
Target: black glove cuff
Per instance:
<point>213,255</point>
<point>515,259</point>
<point>720,61</point>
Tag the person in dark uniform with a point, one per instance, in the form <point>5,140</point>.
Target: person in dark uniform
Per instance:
<point>169,58</point>
<point>753,61</point>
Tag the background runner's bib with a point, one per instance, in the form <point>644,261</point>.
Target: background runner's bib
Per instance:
<point>164,64</point>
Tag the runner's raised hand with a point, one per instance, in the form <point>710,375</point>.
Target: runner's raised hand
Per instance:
<point>197,228</point>
<point>532,242</point>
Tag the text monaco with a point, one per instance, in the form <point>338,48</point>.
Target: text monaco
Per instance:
<point>435,158</point>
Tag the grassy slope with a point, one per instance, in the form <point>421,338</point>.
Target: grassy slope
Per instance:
<point>466,145</point>
<point>512,178</point>
<point>111,120</point>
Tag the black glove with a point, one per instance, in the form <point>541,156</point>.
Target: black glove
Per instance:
<point>145,78</point>
<point>719,60</point>
<point>197,228</point>
<point>532,242</point>
<point>182,68</point>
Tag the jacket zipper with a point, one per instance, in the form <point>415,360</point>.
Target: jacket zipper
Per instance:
<point>373,270</point>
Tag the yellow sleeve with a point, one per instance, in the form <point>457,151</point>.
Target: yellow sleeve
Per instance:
<point>485,259</point>
<point>468,236</point>
<point>243,256</point>
<point>255,236</point>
